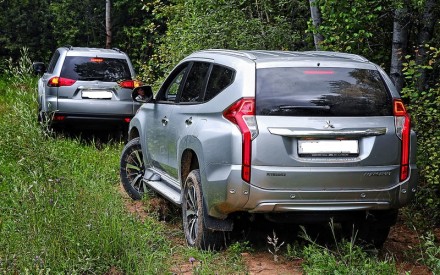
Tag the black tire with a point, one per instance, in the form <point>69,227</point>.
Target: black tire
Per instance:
<point>196,233</point>
<point>132,169</point>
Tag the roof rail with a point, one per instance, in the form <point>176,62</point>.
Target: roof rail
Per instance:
<point>69,47</point>
<point>338,54</point>
<point>117,49</point>
<point>232,52</point>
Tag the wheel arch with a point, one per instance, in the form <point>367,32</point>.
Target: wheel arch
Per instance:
<point>188,162</point>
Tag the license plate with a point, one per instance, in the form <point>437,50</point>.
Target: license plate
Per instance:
<point>95,94</point>
<point>328,148</point>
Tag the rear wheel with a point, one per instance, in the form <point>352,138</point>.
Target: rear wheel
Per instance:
<point>196,232</point>
<point>373,230</point>
<point>132,169</point>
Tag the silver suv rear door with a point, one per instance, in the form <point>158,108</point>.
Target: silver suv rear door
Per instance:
<point>324,129</point>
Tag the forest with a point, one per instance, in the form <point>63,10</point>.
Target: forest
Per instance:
<point>402,36</point>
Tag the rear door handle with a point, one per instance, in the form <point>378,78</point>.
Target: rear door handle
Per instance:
<point>189,121</point>
<point>165,121</point>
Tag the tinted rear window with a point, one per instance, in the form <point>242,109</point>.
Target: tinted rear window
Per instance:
<point>95,68</point>
<point>321,92</point>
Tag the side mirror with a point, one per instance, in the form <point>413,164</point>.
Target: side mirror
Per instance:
<point>142,94</point>
<point>39,68</point>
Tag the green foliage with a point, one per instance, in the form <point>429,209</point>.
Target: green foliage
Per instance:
<point>425,112</point>
<point>430,251</point>
<point>78,24</point>
<point>349,259</point>
<point>360,27</point>
<point>345,258</point>
<point>195,25</point>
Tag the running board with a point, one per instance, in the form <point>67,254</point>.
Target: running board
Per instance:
<point>165,190</point>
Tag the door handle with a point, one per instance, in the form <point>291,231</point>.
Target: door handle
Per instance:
<point>189,121</point>
<point>165,121</point>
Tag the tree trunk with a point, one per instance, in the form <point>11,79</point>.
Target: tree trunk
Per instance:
<point>108,24</point>
<point>426,30</point>
<point>400,43</point>
<point>317,20</point>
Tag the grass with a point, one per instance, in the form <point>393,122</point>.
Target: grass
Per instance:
<point>61,210</point>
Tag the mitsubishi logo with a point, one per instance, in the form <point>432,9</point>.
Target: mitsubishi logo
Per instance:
<point>328,125</point>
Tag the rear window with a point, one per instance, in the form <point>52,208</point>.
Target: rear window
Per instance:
<point>95,68</point>
<point>321,92</point>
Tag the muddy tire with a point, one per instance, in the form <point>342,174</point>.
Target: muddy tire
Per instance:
<point>132,169</point>
<point>196,233</point>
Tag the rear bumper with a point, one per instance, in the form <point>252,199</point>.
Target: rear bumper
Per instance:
<point>94,120</point>
<point>241,196</point>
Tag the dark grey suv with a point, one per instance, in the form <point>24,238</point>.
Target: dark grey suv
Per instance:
<point>87,86</point>
<point>299,137</point>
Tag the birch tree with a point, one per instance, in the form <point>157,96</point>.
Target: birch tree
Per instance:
<point>108,24</point>
<point>317,21</point>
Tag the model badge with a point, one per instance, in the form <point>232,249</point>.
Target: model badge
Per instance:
<point>276,174</point>
<point>377,174</point>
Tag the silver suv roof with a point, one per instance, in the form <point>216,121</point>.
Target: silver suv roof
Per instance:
<point>261,55</point>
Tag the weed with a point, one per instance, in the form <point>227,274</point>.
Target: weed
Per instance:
<point>273,241</point>
<point>345,258</point>
<point>430,252</point>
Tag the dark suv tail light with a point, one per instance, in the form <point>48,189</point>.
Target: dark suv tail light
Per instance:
<point>130,84</point>
<point>403,131</point>
<point>242,114</point>
<point>57,81</point>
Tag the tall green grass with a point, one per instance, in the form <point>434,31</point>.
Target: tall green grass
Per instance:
<point>60,206</point>
<point>60,209</point>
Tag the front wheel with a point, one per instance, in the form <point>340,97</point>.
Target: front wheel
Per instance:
<point>196,232</point>
<point>132,169</point>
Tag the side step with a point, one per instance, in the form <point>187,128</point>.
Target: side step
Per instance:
<point>165,190</point>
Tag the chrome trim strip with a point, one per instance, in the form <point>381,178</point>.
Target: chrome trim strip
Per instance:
<point>317,206</point>
<point>286,132</point>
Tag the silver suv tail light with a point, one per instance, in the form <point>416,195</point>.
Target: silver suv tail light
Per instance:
<point>403,131</point>
<point>242,114</point>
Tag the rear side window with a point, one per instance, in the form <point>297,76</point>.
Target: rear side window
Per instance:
<point>321,92</point>
<point>95,68</point>
<point>220,78</point>
<point>53,62</point>
<point>195,82</point>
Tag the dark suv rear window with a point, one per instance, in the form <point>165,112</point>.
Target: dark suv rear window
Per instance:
<point>321,92</point>
<point>95,68</point>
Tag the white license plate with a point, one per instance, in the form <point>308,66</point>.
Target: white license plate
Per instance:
<point>328,147</point>
<point>97,94</point>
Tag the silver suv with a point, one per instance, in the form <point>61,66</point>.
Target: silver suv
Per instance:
<point>87,86</point>
<point>299,137</point>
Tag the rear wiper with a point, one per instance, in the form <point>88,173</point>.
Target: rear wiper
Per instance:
<point>290,107</point>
